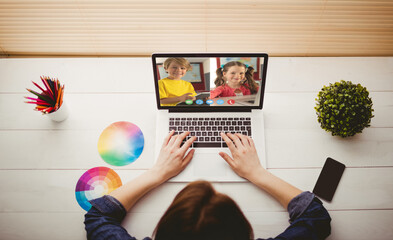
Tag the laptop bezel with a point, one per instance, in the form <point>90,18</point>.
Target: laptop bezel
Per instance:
<point>215,108</point>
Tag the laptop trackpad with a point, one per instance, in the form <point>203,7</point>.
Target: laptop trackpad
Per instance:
<point>209,165</point>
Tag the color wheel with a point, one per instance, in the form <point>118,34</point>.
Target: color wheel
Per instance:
<point>94,183</point>
<point>121,143</point>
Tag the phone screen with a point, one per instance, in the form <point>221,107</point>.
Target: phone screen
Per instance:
<point>328,179</point>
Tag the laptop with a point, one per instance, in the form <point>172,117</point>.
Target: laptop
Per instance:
<point>235,111</point>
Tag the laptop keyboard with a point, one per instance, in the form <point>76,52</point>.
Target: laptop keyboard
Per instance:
<point>207,130</point>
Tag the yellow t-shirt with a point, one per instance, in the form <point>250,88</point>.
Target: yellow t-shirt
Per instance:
<point>169,88</point>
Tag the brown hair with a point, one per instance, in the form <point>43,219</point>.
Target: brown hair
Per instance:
<point>181,61</point>
<point>199,212</point>
<point>251,84</point>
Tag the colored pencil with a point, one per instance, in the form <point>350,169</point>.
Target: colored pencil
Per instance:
<point>51,97</point>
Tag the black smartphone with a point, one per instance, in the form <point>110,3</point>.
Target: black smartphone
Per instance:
<point>328,179</point>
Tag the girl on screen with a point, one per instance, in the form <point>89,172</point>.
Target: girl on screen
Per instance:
<point>173,89</point>
<point>234,79</point>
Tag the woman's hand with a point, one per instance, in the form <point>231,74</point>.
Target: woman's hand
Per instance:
<point>245,161</point>
<point>172,158</point>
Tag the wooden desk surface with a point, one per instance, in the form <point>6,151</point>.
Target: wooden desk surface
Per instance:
<point>41,160</point>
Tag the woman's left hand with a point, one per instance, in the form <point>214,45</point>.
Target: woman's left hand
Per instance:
<point>173,158</point>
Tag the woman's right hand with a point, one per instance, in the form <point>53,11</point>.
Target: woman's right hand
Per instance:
<point>244,161</point>
<point>173,157</point>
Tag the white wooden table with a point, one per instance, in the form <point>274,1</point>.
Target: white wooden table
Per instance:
<point>41,161</point>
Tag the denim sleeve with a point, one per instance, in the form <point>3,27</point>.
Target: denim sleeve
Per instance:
<point>103,220</point>
<point>309,220</point>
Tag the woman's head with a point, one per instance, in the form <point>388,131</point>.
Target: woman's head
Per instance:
<point>199,212</point>
<point>177,67</point>
<point>236,73</point>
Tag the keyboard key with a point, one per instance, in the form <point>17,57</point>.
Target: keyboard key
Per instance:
<point>206,144</point>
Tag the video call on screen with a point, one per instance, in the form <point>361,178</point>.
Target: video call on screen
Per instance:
<point>202,88</point>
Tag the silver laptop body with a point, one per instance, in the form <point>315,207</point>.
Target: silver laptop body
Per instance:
<point>244,110</point>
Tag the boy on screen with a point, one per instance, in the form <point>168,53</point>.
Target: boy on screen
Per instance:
<point>172,89</point>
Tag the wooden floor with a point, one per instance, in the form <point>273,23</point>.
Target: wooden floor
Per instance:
<point>41,161</point>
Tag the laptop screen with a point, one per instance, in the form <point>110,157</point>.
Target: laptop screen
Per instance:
<point>209,81</point>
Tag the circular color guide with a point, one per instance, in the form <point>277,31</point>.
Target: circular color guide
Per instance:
<point>94,183</point>
<point>121,143</point>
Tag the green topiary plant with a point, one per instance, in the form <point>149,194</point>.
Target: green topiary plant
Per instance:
<point>344,109</point>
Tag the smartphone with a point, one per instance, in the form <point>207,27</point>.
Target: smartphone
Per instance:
<point>329,178</point>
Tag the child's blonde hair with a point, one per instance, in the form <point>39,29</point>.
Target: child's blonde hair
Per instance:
<point>251,84</point>
<point>181,61</point>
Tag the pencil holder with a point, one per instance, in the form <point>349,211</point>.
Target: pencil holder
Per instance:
<point>60,114</point>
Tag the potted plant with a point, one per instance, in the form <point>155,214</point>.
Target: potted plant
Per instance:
<point>344,108</point>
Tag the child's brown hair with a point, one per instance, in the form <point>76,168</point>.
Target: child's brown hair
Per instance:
<point>181,61</point>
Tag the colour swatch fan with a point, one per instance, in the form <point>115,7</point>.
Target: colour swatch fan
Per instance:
<point>121,143</point>
<point>94,183</point>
